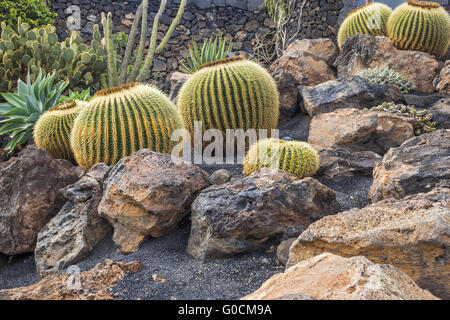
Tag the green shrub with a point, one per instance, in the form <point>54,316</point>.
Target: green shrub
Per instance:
<point>385,75</point>
<point>34,12</point>
<point>24,108</point>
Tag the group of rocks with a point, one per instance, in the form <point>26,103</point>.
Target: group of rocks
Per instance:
<point>397,247</point>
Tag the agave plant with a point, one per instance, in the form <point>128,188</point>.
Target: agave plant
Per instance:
<point>23,108</point>
<point>212,50</point>
<point>84,95</point>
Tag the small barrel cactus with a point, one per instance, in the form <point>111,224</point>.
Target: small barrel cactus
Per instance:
<point>231,93</point>
<point>368,19</point>
<point>122,120</point>
<point>296,157</point>
<point>52,130</point>
<point>420,26</point>
<point>385,75</point>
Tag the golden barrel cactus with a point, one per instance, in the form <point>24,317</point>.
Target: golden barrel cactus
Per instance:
<point>296,157</point>
<point>368,19</point>
<point>52,130</point>
<point>231,93</point>
<point>420,26</point>
<point>122,120</point>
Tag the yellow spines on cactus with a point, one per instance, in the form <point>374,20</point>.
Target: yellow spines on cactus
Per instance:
<point>368,19</point>
<point>52,130</point>
<point>420,26</point>
<point>231,93</point>
<point>122,120</point>
<point>296,157</point>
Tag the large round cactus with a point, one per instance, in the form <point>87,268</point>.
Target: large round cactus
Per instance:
<point>420,26</point>
<point>52,130</point>
<point>368,19</point>
<point>231,93</point>
<point>122,120</point>
<point>296,157</point>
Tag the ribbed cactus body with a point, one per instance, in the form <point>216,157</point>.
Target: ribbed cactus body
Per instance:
<point>296,157</point>
<point>420,26</point>
<point>368,19</point>
<point>232,93</point>
<point>123,120</point>
<point>52,130</point>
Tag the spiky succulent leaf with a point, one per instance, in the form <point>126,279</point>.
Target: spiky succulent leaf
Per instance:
<point>385,75</point>
<point>23,108</point>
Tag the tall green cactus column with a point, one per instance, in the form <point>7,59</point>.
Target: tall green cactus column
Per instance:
<point>368,19</point>
<point>232,93</point>
<point>122,120</point>
<point>420,26</point>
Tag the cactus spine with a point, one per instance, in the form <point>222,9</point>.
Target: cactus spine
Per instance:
<point>52,130</point>
<point>232,93</point>
<point>368,19</point>
<point>296,157</point>
<point>420,26</point>
<point>123,120</point>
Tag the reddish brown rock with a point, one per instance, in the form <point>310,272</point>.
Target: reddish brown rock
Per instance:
<point>358,130</point>
<point>148,194</point>
<point>95,284</point>
<point>444,80</point>
<point>331,277</point>
<point>412,234</point>
<point>30,196</point>
<point>364,51</point>
<point>418,165</point>
<point>304,62</point>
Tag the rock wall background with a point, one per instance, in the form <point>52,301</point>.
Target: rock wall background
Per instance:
<point>234,19</point>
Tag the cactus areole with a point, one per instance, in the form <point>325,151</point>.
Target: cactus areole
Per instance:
<point>122,120</point>
<point>231,93</point>
<point>420,26</point>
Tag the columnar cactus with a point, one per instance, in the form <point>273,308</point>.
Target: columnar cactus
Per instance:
<point>296,157</point>
<point>122,120</point>
<point>52,130</point>
<point>232,93</point>
<point>368,19</point>
<point>420,26</point>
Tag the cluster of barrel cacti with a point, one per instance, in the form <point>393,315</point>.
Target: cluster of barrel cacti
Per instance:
<point>414,25</point>
<point>385,75</point>
<point>39,49</point>
<point>296,157</point>
<point>424,119</point>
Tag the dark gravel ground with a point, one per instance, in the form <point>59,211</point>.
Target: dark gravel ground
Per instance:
<point>185,278</point>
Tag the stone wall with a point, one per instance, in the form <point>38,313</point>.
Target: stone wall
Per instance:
<point>233,19</point>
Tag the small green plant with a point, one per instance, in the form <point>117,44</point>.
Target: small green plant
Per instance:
<point>24,108</point>
<point>34,12</point>
<point>84,95</point>
<point>424,119</point>
<point>212,50</point>
<point>385,75</point>
<point>296,157</point>
<point>420,26</point>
